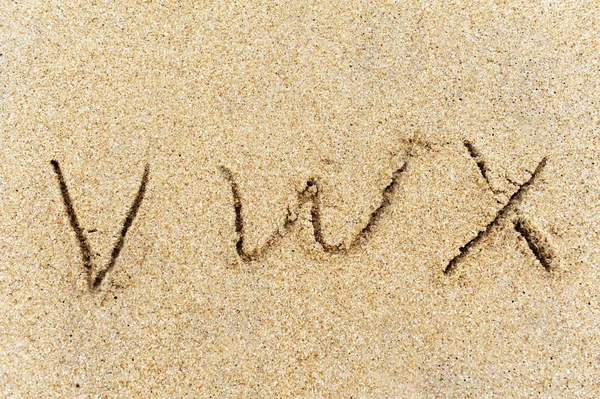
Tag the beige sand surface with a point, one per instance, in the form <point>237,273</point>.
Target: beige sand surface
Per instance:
<point>415,125</point>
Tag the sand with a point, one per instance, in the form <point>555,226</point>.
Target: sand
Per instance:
<point>341,199</point>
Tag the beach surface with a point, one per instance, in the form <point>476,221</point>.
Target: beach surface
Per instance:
<point>299,199</point>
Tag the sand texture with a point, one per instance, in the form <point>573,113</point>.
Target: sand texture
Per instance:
<point>299,199</point>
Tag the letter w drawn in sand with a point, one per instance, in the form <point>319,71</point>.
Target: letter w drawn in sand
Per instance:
<point>86,253</point>
<point>312,193</point>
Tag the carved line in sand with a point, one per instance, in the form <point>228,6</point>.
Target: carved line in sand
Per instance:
<point>86,253</point>
<point>538,245</point>
<point>312,193</point>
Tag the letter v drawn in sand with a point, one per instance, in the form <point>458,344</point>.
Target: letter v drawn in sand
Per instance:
<point>84,247</point>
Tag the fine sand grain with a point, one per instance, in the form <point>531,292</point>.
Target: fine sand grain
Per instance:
<point>299,200</point>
